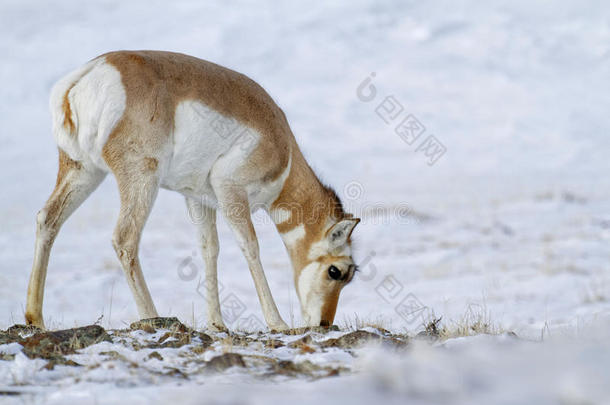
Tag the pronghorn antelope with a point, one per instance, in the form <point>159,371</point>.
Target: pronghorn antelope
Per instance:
<point>151,118</point>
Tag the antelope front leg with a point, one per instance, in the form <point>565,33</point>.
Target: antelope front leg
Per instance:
<point>205,219</point>
<point>235,208</point>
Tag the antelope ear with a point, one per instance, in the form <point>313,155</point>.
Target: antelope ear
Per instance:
<point>340,232</point>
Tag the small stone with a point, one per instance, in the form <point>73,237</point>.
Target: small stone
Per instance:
<point>150,325</point>
<point>206,340</point>
<point>290,368</point>
<point>19,330</point>
<point>273,343</point>
<point>178,340</point>
<point>316,329</point>
<point>359,338</point>
<point>62,361</point>
<point>53,344</point>
<point>155,355</point>
<point>225,361</point>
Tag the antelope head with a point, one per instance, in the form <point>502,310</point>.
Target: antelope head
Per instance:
<point>326,268</point>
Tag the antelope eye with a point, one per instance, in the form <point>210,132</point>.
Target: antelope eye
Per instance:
<point>334,273</point>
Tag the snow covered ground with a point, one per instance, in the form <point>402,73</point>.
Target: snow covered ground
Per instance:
<point>510,225</point>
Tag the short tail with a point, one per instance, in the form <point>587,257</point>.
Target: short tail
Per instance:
<point>65,119</point>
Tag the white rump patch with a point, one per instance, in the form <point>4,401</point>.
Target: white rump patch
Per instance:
<point>97,102</point>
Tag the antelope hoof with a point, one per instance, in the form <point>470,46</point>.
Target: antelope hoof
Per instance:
<point>33,320</point>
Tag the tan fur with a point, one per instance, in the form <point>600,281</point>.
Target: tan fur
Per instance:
<point>310,204</point>
<point>65,165</point>
<point>74,184</point>
<point>61,191</point>
<point>67,112</point>
<point>329,308</point>
<point>155,82</point>
<point>151,164</point>
<point>330,305</point>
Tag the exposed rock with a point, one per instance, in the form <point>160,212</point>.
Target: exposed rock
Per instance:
<point>206,340</point>
<point>305,340</point>
<point>290,368</point>
<point>7,357</point>
<point>21,330</point>
<point>8,338</point>
<point>60,360</point>
<point>305,344</point>
<point>238,340</point>
<point>175,339</point>
<point>150,325</point>
<point>359,338</point>
<point>225,361</point>
<point>113,354</point>
<point>180,334</point>
<point>155,355</point>
<point>52,345</point>
<point>16,333</point>
<point>273,343</point>
<point>303,368</point>
<point>316,329</point>
<point>307,349</point>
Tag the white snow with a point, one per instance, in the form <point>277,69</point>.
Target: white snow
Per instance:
<point>511,224</point>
